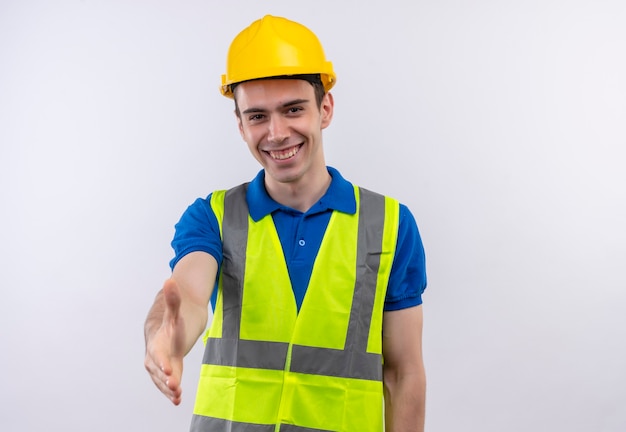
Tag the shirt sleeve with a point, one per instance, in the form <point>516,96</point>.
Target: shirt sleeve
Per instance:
<point>407,280</point>
<point>197,231</point>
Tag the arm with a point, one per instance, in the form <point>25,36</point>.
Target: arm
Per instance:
<point>404,378</point>
<point>176,320</point>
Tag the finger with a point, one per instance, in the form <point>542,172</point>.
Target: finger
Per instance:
<point>172,393</point>
<point>167,370</point>
<point>157,370</point>
<point>172,387</point>
<point>168,384</point>
<point>159,378</point>
<point>175,377</point>
<point>158,358</point>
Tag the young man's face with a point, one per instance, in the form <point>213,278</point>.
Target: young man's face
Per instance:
<point>282,125</point>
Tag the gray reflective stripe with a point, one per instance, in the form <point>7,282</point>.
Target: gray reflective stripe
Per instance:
<point>235,239</point>
<point>246,353</point>
<point>205,424</point>
<point>370,246</point>
<point>353,361</point>
<point>338,363</point>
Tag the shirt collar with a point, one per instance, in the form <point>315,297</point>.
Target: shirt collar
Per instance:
<point>339,196</point>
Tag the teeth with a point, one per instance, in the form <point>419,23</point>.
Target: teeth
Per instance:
<point>285,154</point>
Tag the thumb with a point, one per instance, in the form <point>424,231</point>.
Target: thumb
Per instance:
<point>172,297</point>
<point>174,319</point>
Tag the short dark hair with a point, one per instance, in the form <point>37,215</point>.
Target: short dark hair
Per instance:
<point>314,79</point>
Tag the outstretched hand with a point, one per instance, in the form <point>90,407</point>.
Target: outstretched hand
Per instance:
<point>165,345</point>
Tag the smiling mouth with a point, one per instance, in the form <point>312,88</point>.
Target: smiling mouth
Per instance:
<point>284,154</point>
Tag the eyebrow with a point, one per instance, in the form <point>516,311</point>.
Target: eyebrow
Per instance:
<point>285,105</point>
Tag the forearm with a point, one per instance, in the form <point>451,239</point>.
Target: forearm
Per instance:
<point>405,401</point>
<point>404,377</point>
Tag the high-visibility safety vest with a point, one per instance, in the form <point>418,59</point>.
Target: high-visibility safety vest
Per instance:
<point>268,367</point>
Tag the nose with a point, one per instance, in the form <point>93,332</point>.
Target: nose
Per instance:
<point>278,130</point>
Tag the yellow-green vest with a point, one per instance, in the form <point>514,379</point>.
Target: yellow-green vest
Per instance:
<point>268,367</point>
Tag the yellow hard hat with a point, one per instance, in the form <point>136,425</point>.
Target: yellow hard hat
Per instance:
<point>274,46</point>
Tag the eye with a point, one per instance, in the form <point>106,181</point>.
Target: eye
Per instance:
<point>255,117</point>
<point>294,110</point>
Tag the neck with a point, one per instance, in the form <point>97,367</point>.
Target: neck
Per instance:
<point>300,194</point>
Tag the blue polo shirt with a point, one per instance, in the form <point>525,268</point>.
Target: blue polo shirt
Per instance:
<point>301,235</point>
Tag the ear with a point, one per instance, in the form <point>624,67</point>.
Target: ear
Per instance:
<point>327,109</point>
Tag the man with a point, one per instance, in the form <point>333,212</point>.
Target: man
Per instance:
<point>317,306</point>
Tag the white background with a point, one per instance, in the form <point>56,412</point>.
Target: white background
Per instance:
<point>501,125</point>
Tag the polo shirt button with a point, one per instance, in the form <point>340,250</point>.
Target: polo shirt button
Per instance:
<point>301,242</point>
